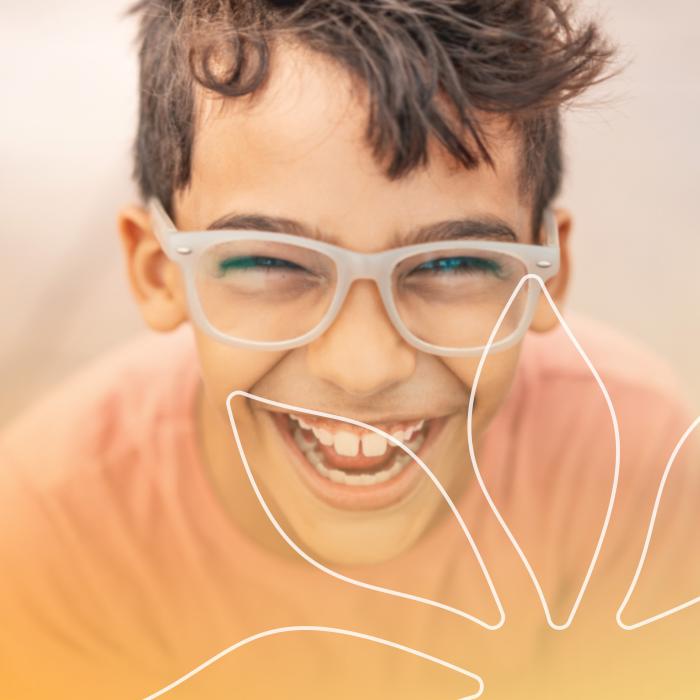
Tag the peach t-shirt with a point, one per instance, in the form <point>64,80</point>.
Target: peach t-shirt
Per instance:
<point>117,553</point>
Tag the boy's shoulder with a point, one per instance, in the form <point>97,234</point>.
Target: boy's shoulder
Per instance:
<point>563,416</point>
<point>558,413</point>
<point>625,365</point>
<point>105,412</point>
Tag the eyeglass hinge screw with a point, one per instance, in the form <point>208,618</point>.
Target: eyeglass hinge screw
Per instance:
<point>544,263</point>
<point>183,250</point>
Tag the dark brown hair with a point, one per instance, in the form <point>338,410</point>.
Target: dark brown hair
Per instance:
<point>429,66</point>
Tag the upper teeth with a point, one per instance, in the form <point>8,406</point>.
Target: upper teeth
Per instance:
<point>325,437</point>
<point>347,444</point>
<point>373,445</point>
<point>408,433</point>
<point>302,422</point>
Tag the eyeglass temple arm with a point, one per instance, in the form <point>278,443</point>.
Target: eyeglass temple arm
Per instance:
<point>162,223</point>
<point>551,228</point>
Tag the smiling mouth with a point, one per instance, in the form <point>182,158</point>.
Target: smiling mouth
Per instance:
<point>352,468</point>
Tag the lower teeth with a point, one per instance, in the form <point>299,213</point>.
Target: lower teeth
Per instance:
<point>339,476</point>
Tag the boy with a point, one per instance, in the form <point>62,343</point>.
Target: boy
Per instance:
<point>290,139</point>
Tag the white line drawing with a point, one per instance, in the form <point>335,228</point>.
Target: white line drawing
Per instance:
<point>647,542</point>
<point>438,485</point>
<point>342,577</point>
<point>477,472</point>
<point>329,630</point>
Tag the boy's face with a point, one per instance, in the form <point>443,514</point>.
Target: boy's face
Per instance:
<point>297,151</point>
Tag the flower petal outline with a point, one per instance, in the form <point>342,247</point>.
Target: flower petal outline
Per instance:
<point>330,630</point>
<point>647,542</point>
<point>335,574</point>
<point>616,471</point>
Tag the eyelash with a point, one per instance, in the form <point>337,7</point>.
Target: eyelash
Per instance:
<point>474,264</point>
<point>255,261</point>
<point>451,265</point>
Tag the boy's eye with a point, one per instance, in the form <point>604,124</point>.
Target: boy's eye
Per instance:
<point>460,264</point>
<point>252,262</point>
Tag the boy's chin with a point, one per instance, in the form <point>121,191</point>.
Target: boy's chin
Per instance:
<point>359,539</point>
<point>350,523</point>
<point>342,537</point>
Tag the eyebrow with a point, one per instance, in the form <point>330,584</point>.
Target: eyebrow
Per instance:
<point>486,227</point>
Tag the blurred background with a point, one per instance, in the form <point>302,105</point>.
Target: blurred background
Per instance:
<point>68,76</point>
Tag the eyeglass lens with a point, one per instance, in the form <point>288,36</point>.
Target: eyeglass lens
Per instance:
<point>454,298</point>
<point>267,291</point>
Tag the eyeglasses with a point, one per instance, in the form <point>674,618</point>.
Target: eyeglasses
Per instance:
<point>277,291</point>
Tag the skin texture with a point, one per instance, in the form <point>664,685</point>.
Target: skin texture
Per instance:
<point>296,150</point>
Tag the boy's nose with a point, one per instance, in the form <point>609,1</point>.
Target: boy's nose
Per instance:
<point>362,352</point>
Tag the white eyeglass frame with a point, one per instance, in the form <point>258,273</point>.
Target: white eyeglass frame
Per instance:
<point>185,247</point>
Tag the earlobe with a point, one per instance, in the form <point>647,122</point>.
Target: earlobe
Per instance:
<point>156,281</point>
<point>545,318</point>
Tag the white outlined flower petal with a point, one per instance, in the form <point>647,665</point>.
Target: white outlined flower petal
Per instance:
<point>684,518</point>
<point>336,574</point>
<point>325,630</point>
<point>615,471</point>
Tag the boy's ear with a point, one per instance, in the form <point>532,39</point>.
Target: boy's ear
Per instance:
<point>156,281</point>
<point>544,318</point>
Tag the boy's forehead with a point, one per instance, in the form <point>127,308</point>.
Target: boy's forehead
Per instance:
<point>305,108</point>
<point>300,143</point>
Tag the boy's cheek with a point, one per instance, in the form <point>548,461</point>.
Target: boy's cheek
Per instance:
<point>226,368</point>
<point>494,382</point>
